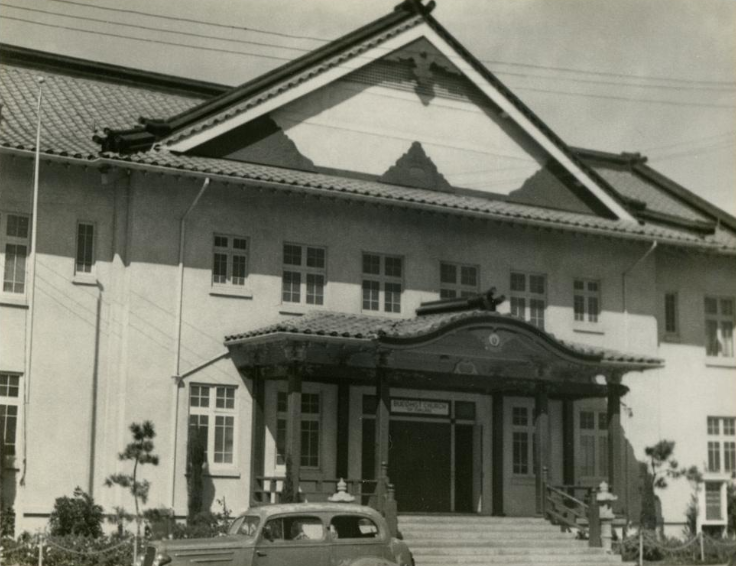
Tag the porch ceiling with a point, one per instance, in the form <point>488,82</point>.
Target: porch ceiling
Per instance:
<point>471,349</point>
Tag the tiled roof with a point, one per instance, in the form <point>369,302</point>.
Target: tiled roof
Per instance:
<point>75,108</point>
<point>376,328</point>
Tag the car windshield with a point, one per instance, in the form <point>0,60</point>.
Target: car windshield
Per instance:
<point>245,525</point>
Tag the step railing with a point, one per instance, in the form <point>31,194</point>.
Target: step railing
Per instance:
<point>563,508</point>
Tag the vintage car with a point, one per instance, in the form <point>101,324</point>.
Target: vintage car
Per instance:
<point>299,534</point>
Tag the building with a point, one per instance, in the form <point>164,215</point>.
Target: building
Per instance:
<point>264,266</point>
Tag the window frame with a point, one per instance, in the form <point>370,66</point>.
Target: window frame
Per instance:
<point>587,316</point>
<point>230,252</point>
<point>8,401</point>
<point>5,241</point>
<point>721,444</point>
<point>306,417</point>
<point>304,271</point>
<point>673,332</point>
<point>382,280</point>
<point>212,412</point>
<point>725,348</point>
<point>528,431</point>
<point>81,274</point>
<point>599,435</point>
<point>458,288</point>
<point>528,296</point>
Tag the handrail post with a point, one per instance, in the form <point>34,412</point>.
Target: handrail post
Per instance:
<point>545,473</point>
<point>391,511</point>
<point>594,522</point>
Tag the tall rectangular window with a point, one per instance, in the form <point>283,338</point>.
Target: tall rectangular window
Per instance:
<point>382,282</point>
<point>671,314</point>
<point>212,416</point>
<point>721,444</point>
<point>9,403</point>
<point>522,434</point>
<point>593,444</point>
<point>528,297</point>
<point>458,280</point>
<point>719,320</point>
<point>586,300</point>
<point>14,242</point>
<point>310,429</point>
<point>713,507</point>
<point>304,274</point>
<point>229,260</point>
<point>85,256</point>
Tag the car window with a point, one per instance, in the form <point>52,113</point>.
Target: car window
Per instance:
<point>353,526</point>
<point>294,528</point>
<point>245,525</point>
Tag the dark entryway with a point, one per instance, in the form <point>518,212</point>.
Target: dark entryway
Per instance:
<point>420,465</point>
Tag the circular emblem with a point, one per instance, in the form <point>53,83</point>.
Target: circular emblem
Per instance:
<point>494,340</point>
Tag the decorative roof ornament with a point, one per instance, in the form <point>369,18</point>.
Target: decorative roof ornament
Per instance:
<point>416,169</point>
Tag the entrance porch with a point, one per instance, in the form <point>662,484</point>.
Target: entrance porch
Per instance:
<point>460,409</point>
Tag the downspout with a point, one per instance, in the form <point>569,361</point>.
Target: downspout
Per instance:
<point>624,274</point>
<point>177,331</point>
<point>31,286</point>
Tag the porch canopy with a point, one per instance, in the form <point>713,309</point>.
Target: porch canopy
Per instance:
<point>453,345</point>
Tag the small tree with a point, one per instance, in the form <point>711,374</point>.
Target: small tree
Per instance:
<point>76,515</point>
<point>662,464</point>
<point>695,478</point>
<point>140,451</point>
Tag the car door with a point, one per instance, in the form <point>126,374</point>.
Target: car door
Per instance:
<point>356,536</point>
<point>292,540</point>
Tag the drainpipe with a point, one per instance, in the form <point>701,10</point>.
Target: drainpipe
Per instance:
<point>177,331</point>
<point>624,274</point>
<point>31,285</point>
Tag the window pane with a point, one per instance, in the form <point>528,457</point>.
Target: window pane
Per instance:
<point>518,307</point>
<point>711,338</point>
<point>536,284</point>
<point>593,309</point>
<point>520,453</point>
<point>727,307</point>
<point>85,238</point>
<point>711,305</point>
<point>469,276</point>
<point>727,339</point>
<point>15,268</point>
<point>239,270</point>
<point>225,398</point>
<point>280,441</point>
<point>310,443</point>
<point>602,421</point>
<point>292,254</point>
<point>519,416</point>
<point>315,289</point>
<point>729,426</point>
<point>224,434</point>
<point>670,313</point>
<point>219,269</point>
<point>9,385</point>
<point>579,307</point>
<point>8,427</point>
<point>199,425</point>
<point>371,264</point>
<point>713,425</point>
<point>602,456</point>
<point>291,287</point>
<point>712,501</point>
<point>221,242</point>
<point>371,291</point>
<point>392,266</point>
<point>17,226</point>
<point>587,420</point>
<point>536,313</point>
<point>448,294</point>
<point>199,396</point>
<point>240,244</point>
<point>714,456</point>
<point>578,285</point>
<point>729,456</point>
<point>310,403</point>
<point>392,299</point>
<point>448,273</point>
<point>587,455</point>
<point>315,257</point>
<point>518,282</point>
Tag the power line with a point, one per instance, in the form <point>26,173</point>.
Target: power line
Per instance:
<point>490,61</point>
<point>689,142</point>
<point>274,57</point>
<point>694,152</point>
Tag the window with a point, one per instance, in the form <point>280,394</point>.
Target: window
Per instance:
<point>382,282</point>
<point>229,261</point>
<point>14,233</point>
<point>280,529</point>
<point>85,255</point>
<point>522,434</point>
<point>593,444</point>
<point>304,275</point>
<point>713,511</point>
<point>722,444</point>
<point>529,297</point>
<point>212,418</point>
<point>457,280</point>
<point>353,526</point>
<point>671,314</point>
<point>9,392</point>
<point>586,300</point>
<point>719,327</point>
<point>310,429</point>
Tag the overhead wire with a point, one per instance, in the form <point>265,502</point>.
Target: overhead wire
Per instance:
<point>714,83</point>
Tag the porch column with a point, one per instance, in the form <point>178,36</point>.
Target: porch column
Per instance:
<point>615,439</point>
<point>383,409</point>
<point>497,459</point>
<point>295,355</point>
<point>568,442</point>
<point>258,436</point>
<point>343,428</point>
<point>541,426</point>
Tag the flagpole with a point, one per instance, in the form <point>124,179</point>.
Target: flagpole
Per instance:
<point>32,276</point>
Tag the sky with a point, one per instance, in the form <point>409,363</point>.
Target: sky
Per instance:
<point>653,76</point>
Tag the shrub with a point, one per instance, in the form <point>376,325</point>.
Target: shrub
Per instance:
<point>7,522</point>
<point>76,515</point>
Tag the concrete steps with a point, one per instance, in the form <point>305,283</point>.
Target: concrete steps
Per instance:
<point>476,541</point>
